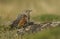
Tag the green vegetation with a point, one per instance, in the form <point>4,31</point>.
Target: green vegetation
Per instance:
<point>9,9</point>
<point>45,34</point>
<point>47,17</point>
<point>53,33</point>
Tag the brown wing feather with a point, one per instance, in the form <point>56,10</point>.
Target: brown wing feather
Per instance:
<point>22,22</point>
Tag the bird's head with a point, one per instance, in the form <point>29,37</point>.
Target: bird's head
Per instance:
<point>28,11</point>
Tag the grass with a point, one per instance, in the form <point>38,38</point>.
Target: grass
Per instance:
<point>45,34</point>
<point>10,8</point>
<point>47,17</point>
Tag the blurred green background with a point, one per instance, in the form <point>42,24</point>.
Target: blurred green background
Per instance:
<point>11,8</point>
<point>42,10</point>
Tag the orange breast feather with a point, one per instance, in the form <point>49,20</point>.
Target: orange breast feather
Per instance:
<point>22,22</point>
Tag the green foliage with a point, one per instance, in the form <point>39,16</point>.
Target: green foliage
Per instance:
<point>53,33</point>
<point>47,17</point>
<point>47,34</point>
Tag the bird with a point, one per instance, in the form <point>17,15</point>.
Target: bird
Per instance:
<point>21,20</point>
